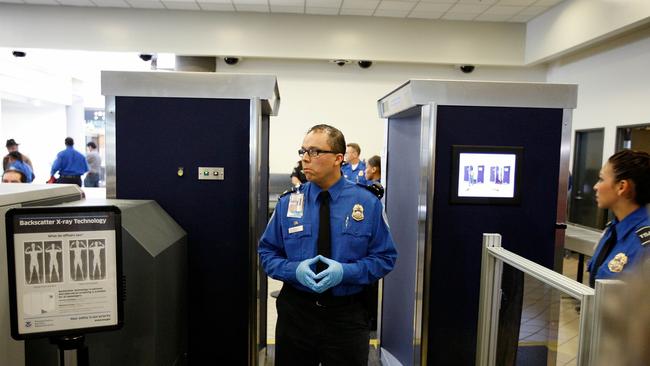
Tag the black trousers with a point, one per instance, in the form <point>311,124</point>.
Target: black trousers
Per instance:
<point>69,180</point>
<point>307,334</point>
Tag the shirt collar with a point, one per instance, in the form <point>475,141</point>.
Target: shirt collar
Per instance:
<point>630,221</point>
<point>335,190</point>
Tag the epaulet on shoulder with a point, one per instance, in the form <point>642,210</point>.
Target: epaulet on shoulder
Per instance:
<point>643,233</point>
<point>375,188</point>
<point>294,189</point>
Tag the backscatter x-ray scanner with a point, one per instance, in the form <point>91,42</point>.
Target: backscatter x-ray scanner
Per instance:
<point>478,157</point>
<point>197,143</point>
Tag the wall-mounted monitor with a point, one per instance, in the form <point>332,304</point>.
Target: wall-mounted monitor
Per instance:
<point>489,175</point>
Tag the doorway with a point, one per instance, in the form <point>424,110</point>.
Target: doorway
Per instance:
<point>633,137</point>
<point>587,161</point>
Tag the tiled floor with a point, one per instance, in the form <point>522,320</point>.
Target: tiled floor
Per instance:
<point>542,305</point>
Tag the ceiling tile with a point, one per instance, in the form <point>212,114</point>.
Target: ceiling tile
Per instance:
<point>216,6</point>
<point>324,3</point>
<point>516,2</point>
<point>521,18</point>
<point>323,11</point>
<point>439,1</point>
<point>13,1</point>
<point>391,13</point>
<point>534,10</point>
<point>367,12</point>
<point>293,3</point>
<point>548,3</point>
<point>360,4</point>
<point>287,9</point>
<point>426,14</point>
<point>146,4</point>
<point>223,2</point>
<point>395,5</point>
<point>459,16</point>
<point>76,2</point>
<point>436,8</point>
<point>111,3</point>
<point>468,9</point>
<point>504,10</point>
<point>43,2</point>
<point>181,5</point>
<point>252,7</point>
<point>250,2</point>
<point>485,17</point>
<point>478,2</point>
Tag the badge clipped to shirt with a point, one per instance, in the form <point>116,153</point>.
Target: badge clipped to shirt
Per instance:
<point>617,264</point>
<point>296,205</point>
<point>357,212</point>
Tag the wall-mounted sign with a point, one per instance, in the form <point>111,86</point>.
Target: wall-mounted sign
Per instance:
<point>65,270</point>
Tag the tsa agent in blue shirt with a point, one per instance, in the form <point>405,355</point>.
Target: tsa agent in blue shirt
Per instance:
<point>624,188</point>
<point>70,164</point>
<point>353,168</point>
<point>322,317</point>
<point>373,170</point>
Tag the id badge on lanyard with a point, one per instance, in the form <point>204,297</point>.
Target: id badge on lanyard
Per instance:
<point>296,205</point>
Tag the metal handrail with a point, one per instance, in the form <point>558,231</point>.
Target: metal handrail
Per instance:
<point>490,298</point>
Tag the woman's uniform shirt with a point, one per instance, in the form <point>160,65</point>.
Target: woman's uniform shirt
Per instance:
<point>631,248</point>
<point>360,238</point>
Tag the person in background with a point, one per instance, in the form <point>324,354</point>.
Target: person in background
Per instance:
<point>13,176</point>
<point>70,164</point>
<point>624,188</point>
<point>94,164</point>
<point>297,175</point>
<point>353,169</point>
<point>327,241</point>
<point>12,146</point>
<point>15,162</point>
<point>373,170</point>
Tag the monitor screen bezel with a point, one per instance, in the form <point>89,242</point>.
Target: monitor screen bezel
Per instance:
<point>456,150</point>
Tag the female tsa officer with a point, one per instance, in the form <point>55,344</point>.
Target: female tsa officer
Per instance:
<point>623,187</point>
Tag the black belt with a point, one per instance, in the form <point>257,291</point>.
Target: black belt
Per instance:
<point>320,300</point>
<point>70,176</point>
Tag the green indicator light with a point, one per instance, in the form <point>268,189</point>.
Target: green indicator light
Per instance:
<point>206,173</point>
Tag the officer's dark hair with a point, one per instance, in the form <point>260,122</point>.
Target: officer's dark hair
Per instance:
<point>92,145</point>
<point>16,155</point>
<point>375,161</point>
<point>336,140</point>
<point>635,166</point>
<point>69,141</point>
<point>355,146</point>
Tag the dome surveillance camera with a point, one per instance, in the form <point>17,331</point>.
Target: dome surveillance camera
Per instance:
<point>467,68</point>
<point>231,60</point>
<point>341,62</point>
<point>364,64</point>
<point>146,56</point>
<point>19,54</point>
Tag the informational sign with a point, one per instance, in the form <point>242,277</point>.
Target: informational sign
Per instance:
<point>64,270</point>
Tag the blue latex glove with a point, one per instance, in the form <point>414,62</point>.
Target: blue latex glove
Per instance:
<point>305,275</point>
<point>329,277</point>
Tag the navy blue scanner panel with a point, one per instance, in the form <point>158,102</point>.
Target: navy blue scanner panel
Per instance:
<point>399,286</point>
<point>527,229</point>
<point>156,136</point>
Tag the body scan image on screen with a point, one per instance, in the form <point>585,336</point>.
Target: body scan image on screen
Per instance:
<point>487,175</point>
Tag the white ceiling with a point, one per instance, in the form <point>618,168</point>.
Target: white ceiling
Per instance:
<point>469,10</point>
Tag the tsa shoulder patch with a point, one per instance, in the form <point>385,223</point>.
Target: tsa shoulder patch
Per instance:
<point>644,235</point>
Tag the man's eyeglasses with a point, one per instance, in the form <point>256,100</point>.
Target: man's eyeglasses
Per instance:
<point>314,153</point>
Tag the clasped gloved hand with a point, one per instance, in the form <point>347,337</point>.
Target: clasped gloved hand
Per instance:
<point>329,277</point>
<point>305,275</point>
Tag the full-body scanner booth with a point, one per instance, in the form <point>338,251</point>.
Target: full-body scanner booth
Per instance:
<point>197,144</point>
<point>447,183</point>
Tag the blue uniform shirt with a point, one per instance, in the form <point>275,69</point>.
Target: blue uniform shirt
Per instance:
<point>629,251</point>
<point>364,248</point>
<point>69,162</point>
<point>25,169</point>
<point>357,175</point>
